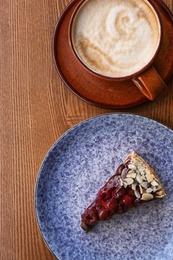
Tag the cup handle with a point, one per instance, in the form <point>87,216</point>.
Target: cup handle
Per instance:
<point>150,83</point>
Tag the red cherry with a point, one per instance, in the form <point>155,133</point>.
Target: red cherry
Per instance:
<point>131,193</point>
<point>122,209</point>
<point>103,214</point>
<point>90,217</point>
<point>119,193</point>
<point>104,194</point>
<point>128,201</point>
<point>111,205</point>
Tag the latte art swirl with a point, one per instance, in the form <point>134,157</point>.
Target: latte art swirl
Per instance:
<point>120,21</point>
<point>115,38</point>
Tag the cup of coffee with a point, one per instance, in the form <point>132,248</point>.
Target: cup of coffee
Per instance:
<point>119,40</point>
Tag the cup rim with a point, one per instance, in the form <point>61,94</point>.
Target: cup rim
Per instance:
<point>121,78</point>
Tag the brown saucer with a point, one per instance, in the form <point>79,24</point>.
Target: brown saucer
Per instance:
<point>106,93</point>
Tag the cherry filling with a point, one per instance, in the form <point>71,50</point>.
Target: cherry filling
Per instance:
<point>112,198</point>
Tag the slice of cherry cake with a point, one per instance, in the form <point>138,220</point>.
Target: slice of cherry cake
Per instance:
<point>133,183</point>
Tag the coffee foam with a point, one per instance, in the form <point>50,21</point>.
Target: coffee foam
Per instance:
<point>115,38</point>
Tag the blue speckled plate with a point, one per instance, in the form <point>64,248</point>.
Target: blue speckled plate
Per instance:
<point>78,164</point>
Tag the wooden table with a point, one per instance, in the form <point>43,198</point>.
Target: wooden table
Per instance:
<point>36,109</point>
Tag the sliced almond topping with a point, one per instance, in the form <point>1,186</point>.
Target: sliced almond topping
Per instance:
<point>125,184</point>
<point>143,177</point>
<point>141,168</point>
<point>149,177</point>
<point>124,172</point>
<point>136,162</point>
<point>137,194</point>
<point>132,166</point>
<point>131,175</point>
<point>147,196</point>
<point>129,180</point>
<point>154,183</point>
<point>131,171</point>
<point>134,186</point>
<point>149,190</point>
<point>147,171</point>
<point>138,172</point>
<point>144,184</point>
<point>141,189</point>
<point>121,182</point>
<point>138,178</point>
<point>142,173</point>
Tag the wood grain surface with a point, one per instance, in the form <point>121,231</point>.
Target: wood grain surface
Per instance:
<point>36,109</point>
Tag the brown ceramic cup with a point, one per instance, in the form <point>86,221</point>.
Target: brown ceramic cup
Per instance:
<point>119,42</point>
